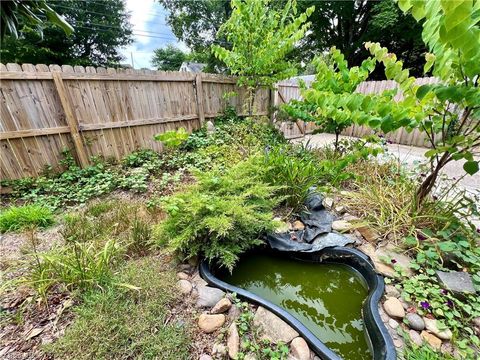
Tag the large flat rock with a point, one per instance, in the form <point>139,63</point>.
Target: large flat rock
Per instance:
<point>457,281</point>
<point>272,327</point>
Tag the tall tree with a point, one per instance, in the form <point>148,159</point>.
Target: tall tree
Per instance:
<point>347,25</point>
<point>100,29</point>
<point>261,39</point>
<point>169,58</point>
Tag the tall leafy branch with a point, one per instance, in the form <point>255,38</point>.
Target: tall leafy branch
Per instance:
<point>261,38</point>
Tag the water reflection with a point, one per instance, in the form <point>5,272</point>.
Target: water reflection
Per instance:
<point>326,298</point>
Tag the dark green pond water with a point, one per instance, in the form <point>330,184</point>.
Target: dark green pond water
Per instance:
<point>326,298</point>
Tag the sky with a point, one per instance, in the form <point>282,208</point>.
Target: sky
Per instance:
<point>151,31</point>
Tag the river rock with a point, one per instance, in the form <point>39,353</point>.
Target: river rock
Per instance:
<point>272,327</point>
<point>341,226</point>
<point>330,240</point>
<point>210,127</point>
<point>393,307</point>
<point>182,275</point>
<point>299,349</point>
<point>431,339</point>
<point>205,357</point>
<point>328,202</point>
<point>349,217</point>
<point>219,350</point>
<point>415,321</point>
<point>457,281</point>
<point>234,312</point>
<point>221,306</point>
<point>368,233</point>
<point>208,296</point>
<point>393,323</point>
<point>431,325</point>
<point>198,281</point>
<point>392,291</point>
<point>233,341</point>
<point>297,225</point>
<point>250,356</point>
<point>209,323</point>
<point>415,337</point>
<point>184,286</point>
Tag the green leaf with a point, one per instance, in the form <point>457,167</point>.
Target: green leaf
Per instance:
<point>471,167</point>
<point>423,90</point>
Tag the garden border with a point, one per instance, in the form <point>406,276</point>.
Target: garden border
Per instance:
<point>380,340</point>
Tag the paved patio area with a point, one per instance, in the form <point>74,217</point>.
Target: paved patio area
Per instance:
<point>408,155</point>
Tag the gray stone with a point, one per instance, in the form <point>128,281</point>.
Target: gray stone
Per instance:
<point>234,312</point>
<point>198,281</point>
<point>328,202</point>
<point>233,341</point>
<point>415,337</point>
<point>209,323</point>
<point>432,326</point>
<point>314,201</point>
<point>457,281</point>
<point>208,296</point>
<point>272,327</point>
<point>392,291</point>
<point>393,307</point>
<point>415,321</point>
<point>210,127</point>
<point>299,349</point>
<point>330,240</point>
<point>184,286</point>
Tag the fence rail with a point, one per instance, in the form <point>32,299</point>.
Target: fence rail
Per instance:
<point>98,111</point>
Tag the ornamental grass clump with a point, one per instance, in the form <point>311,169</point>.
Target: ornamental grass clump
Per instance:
<point>222,215</point>
<point>22,217</point>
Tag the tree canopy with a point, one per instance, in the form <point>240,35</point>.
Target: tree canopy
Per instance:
<point>100,29</point>
<point>343,24</point>
<point>169,58</point>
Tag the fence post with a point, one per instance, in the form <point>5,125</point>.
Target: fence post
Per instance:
<point>199,97</point>
<point>71,121</point>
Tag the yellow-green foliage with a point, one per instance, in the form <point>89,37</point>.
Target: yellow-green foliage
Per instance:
<point>222,215</point>
<point>18,218</point>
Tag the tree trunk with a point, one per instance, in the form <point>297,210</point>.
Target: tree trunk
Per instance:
<point>427,185</point>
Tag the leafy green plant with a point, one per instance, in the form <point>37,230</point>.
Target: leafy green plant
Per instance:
<point>172,138</point>
<point>250,339</point>
<point>18,218</point>
<point>423,352</point>
<point>330,100</point>
<point>261,38</point>
<point>294,171</point>
<point>220,216</point>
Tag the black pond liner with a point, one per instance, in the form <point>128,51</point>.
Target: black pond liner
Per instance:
<point>380,342</point>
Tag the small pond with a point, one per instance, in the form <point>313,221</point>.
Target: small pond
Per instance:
<point>326,298</point>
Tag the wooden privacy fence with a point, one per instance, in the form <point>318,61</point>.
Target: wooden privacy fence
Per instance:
<point>289,89</point>
<point>98,111</point>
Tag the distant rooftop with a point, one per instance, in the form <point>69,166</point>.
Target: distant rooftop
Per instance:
<point>192,67</point>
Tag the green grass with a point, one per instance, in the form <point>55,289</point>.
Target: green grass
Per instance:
<point>18,218</point>
<point>121,323</point>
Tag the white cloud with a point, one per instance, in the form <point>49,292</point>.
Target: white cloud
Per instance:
<point>148,19</point>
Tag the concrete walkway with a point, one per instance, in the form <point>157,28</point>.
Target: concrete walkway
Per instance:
<point>408,155</point>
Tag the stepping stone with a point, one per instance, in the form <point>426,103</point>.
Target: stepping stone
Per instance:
<point>209,323</point>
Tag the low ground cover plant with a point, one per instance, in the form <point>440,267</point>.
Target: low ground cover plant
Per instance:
<point>22,217</point>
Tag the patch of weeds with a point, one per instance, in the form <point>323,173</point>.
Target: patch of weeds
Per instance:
<point>250,342</point>
<point>19,218</point>
<point>423,352</point>
<point>122,323</point>
<point>97,240</point>
<point>220,216</point>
